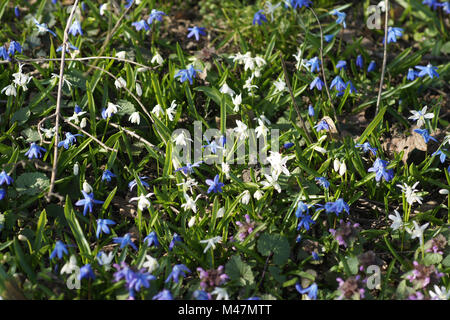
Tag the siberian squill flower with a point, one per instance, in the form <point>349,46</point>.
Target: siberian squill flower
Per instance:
<point>259,17</point>
<point>428,70</point>
<point>359,61</point>
<point>187,74</point>
<point>316,83</point>
<point>42,28</point>
<point>69,140</point>
<point>410,193</point>
<point>178,270</point>
<point>143,202</point>
<point>425,135</point>
<point>88,202</point>
<point>35,151</point>
<point>367,147</point>
<point>75,28</point>
<point>102,226</point>
<point>418,231</point>
<point>196,32</point>
<point>314,64</point>
<point>270,8</point>
<point>190,203</point>
<point>379,167</point>
<point>125,241</point>
<point>133,183</point>
<point>214,185</point>
<point>371,66</point>
<point>189,168</point>
<point>433,4</point>
<point>412,74</point>
<point>397,220</point>
<point>152,239</point>
<point>155,15</point>
<point>441,154</point>
<point>141,24</point>
<point>59,250</point>
<point>421,115</point>
<point>86,272</point>
<point>271,182</point>
<point>338,84</point>
<point>176,238</point>
<point>76,114</point>
<point>237,100</point>
<point>163,295</point>
<point>294,4</point>
<point>322,125</point>
<point>341,64</point>
<point>340,17</point>
<point>5,178</point>
<point>211,243</point>
<point>310,291</point>
<point>393,34</point>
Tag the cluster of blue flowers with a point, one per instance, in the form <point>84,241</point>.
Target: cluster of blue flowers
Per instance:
<point>4,179</point>
<point>13,47</point>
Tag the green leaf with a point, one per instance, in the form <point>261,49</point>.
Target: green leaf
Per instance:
<point>352,263</point>
<point>74,225</point>
<point>372,125</point>
<point>21,116</point>
<point>276,244</point>
<point>40,230</point>
<point>446,261</point>
<point>432,258</point>
<point>239,271</point>
<point>126,107</point>
<point>32,183</point>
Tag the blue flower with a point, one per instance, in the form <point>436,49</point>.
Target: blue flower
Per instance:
<point>102,226</point>
<point>214,186</point>
<point>2,194</point>
<point>141,24</point>
<point>341,64</point>
<point>68,48</point>
<point>340,17</point>
<point>317,83</point>
<point>379,167</point>
<point>196,32</point>
<point>425,135</point>
<point>17,11</point>
<point>442,155</point>
<point>412,74</point>
<point>294,4</point>
<point>323,182</point>
<point>35,151</point>
<point>322,125</point>
<point>288,145</point>
<point>88,202</point>
<point>311,291</point>
<point>328,37</point>
<point>152,239</point>
<point>14,47</point>
<point>75,28</point>
<point>187,74</point>
<point>428,70</point>
<point>315,256</point>
<point>347,84</point>
<point>314,64</point>
<point>176,238</point>
<point>155,15</point>
<point>4,53</point>
<point>42,27</point>
<point>338,83</point>
<point>213,146</point>
<point>163,295</point>
<point>133,183</point>
<point>128,4</point>
<point>301,207</point>
<point>311,112</point>
<point>125,241</point>
<point>86,272</point>
<point>189,168</point>
<point>305,221</point>
<point>107,175</point>
<point>393,34</point>
<point>5,178</point>
<point>259,17</point>
<point>337,207</point>
<point>139,279</point>
<point>201,295</point>
<point>371,66</point>
<point>59,250</point>
<point>359,61</point>
<point>177,271</point>
<point>433,4</point>
<point>69,140</point>
<point>367,147</point>
<point>446,7</point>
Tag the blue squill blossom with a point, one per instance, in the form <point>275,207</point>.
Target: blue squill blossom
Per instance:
<point>433,4</point>
<point>5,178</point>
<point>152,239</point>
<point>107,175</point>
<point>342,64</point>
<point>259,17</point>
<point>75,28</point>
<point>4,53</point>
<point>59,250</point>
<point>338,84</point>
<point>412,74</point>
<point>128,4</point>
<point>393,34</point>
<point>323,182</point>
<point>328,37</point>
<point>371,66</point>
<point>213,146</point>
<point>379,167</point>
<point>297,4</point>
<point>359,61</point>
<point>125,241</point>
<point>14,47</point>
<point>288,145</point>
<point>189,167</point>
<point>340,17</point>
<point>214,185</point>
<point>311,291</point>
<point>442,155</point>
<point>86,272</point>
<point>446,7</point>
<point>316,83</point>
<point>133,183</point>
<point>305,222</point>
<point>42,27</point>
<point>314,64</point>
<point>155,15</point>
<point>177,271</point>
<point>35,151</point>
<point>141,24</point>
<point>336,207</point>
<point>367,147</point>
<point>322,125</point>
<point>2,196</point>
<point>17,11</point>
<point>138,280</point>
<point>201,295</point>
<point>69,140</point>
<point>68,47</point>
<point>196,32</point>
<point>311,112</point>
<point>88,202</point>
<point>163,295</point>
<point>428,70</point>
<point>176,238</point>
<point>425,135</point>
<point>301,208</point>
<point>102,226</point>
<point>187,74</point>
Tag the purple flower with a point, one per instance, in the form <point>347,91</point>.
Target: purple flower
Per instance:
<point>177,271</point>
<point>425,135</point>
<point>346,233</point>
<point>422,276</point>
<point>259,17</point>
<point>322,125</point>
<point>337,207</point>
<point>323,182</point>
<point>69,140</point>
<point>189,168</point>
<point>214,186</point>
<point>212,278</point>
<point>133,183</point>
<point>2,196</point>
<point>17,11</point>
<point>352,288</point>
<point>88,202</point>
<point>305,221</point>
<point>245,228</point>
<point>288,145</point>
<point>314,64</point>
<point>14,47</point>
<point>442,155</point>
<point>294,4</point>
<point>340,17</point>
<point>301,208</point>
<point>412,74</point>
<point>311,112</point>
<point>433,4</point>
<point>4,53</point>
<point>328,37</point>
<point>102,226</point>
<point>379,167</point>
<point>201,295</point>
<point>35,151</point>
<point>196,32</point>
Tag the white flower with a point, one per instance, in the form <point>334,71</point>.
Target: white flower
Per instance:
<point>70,265</point>
<point>121,55</point>
<point>171,110</point>
<point>270,8</point>
<point>138,89</point>
<point>225,89</point>
<point>157,58</point>
<point>300,62</point>
<point>75,116</point>
<point>181,139</point>
<point>83,123</point>
<point>87,187</point>
<point>21,79</point>
<point>105,259</point>
<point>418,231</point>
<point>319,149</point>
<point>439,293</point>
<point>143,202</point>
<point>278,163</point>
<point>151,263</point>
<point>158,111</point>
<point>271,182</point>
<point>261,130</point>
<point>237,100</point>
<point>339,167</point>
<point>280,85</point>
<point>10,90</point>
<point>397,221</point>
<point>135,118</point>
<point>190,203</point>
<point>420,116</point>
<point>443,191</point>
<point>241,130</point>
<point>221,293</point>
<point>191,221</point>
<point>410,193</point>
<point>220,212</point>
<point>188,184</point>
<point>55,78</point>
<point>258,194</point>
<point>120,83</point>
<point>111,109</point>
<point>76,169</point>
<point>49,133</point>
<point>103,8</point>
<point>226,169</point>
<point>248,84</point>
<point>211,243</point>
<point>245,197</point>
